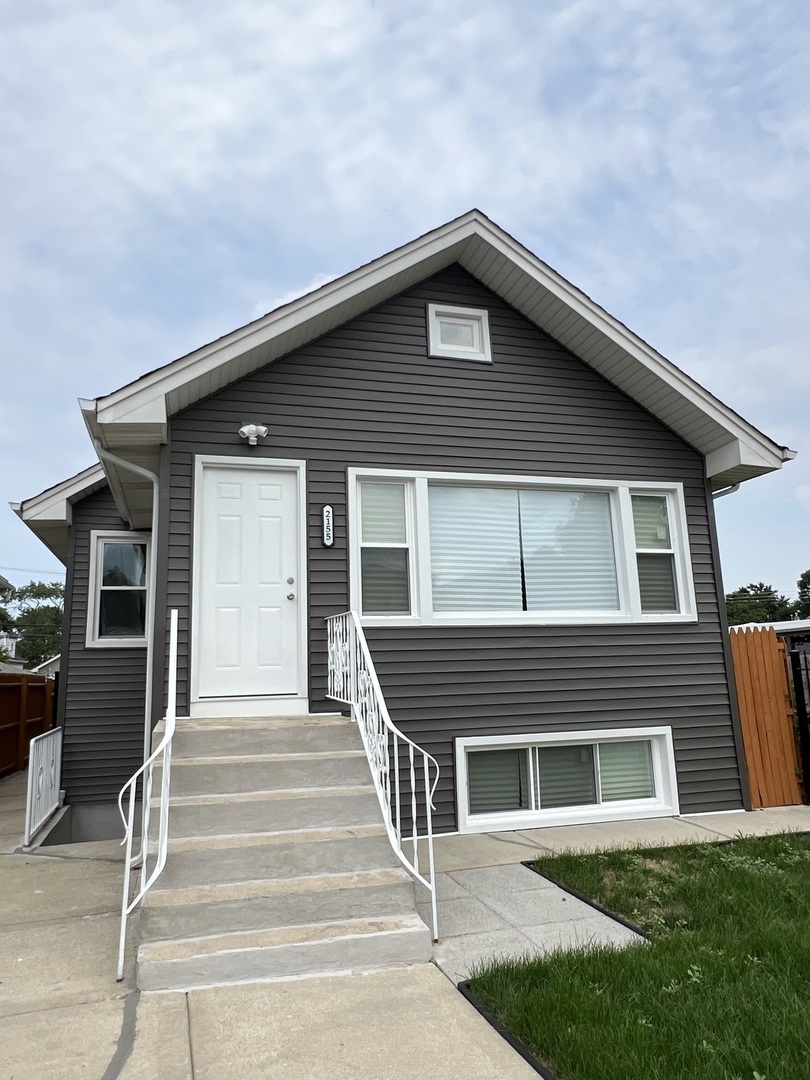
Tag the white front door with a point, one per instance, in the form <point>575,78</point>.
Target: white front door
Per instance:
<point>248,582</point>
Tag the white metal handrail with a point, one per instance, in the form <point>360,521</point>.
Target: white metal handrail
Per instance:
<point>395,760</point>
<point>163,754</point>
<point>44,780</point>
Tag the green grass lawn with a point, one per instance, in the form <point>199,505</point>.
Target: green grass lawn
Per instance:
<point>722,991</point>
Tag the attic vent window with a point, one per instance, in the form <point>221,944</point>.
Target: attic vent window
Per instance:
<point>459,333</point>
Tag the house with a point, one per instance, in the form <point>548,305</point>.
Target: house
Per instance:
<point>512,489</point>
<point>49,666</point>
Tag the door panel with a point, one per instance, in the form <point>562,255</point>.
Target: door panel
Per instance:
<point>247,549</point>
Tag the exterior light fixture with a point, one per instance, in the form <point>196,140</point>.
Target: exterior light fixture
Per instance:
<point>252,432</point>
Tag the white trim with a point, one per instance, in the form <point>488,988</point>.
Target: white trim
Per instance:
<point>282,705</point>
<point>98,537</point>
<point>664,804</point>
<point>478,318</point>
<point>629,612</point>
<point>469,239</point>
<point>240,706</point>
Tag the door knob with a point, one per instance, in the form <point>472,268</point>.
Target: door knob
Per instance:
<point>290,595</point>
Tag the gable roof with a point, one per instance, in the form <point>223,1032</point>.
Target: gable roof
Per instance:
<point>50,514</point>
<point>132,422</point>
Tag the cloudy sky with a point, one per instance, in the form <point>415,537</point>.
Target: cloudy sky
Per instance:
<point>173,169</point>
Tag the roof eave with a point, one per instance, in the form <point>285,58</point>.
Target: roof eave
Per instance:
<point>49,515</point>
<point>133,421</point>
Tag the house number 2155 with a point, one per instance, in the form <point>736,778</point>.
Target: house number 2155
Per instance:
<point>328,516</point>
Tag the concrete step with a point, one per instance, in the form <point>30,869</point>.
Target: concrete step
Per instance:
<point>227,774</point>
<point>254,858</point>
<point>214,815</point>
<point>270,736</point>
<point>283,953</point>
<point>256,905</point>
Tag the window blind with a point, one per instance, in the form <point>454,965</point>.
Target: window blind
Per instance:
<point>568,556</point>
<point>498,780</point>
<point>625,770</point>
<point>475,549</point>
<point>565,776</point>
<point>383,513</point>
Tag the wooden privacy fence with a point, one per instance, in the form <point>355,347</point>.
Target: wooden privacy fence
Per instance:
<point>767,717</point>
<point>26,710</point>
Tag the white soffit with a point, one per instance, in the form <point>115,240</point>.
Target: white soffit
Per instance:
<point>135,416</point>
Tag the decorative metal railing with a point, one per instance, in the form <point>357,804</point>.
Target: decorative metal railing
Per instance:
<point>405,776</point>
<point>44,780</point>
<point>162,754</point>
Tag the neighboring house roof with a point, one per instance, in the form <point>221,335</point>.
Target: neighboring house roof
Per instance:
<point>49,666</point>
<point>132,422</point>
<point>50,513</point>
<point>6,589</point>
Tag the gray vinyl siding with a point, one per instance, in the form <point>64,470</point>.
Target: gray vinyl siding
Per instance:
<point>369,395</point>
<point>103,690</point>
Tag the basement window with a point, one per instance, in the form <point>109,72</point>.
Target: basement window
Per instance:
<point>518,782</point>
<point>459,333</point>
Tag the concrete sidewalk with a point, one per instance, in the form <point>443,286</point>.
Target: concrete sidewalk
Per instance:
<point>62,1014</point>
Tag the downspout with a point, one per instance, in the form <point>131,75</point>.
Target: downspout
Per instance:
<point>105,455</point>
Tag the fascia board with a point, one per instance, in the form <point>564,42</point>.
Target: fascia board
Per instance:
<point>147,401</point>
<point>95,432</point>
<point>55,504</point>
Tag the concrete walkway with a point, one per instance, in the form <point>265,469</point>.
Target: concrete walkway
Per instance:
<point>491,906</point>
<point>62,1014</point>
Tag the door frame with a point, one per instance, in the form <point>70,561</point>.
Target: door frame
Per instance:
<point>281,704</point>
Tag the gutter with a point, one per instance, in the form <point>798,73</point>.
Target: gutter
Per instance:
<point>730,490</point>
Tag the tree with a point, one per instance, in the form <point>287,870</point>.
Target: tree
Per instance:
<point>758,602</point>
<point>36,620</point>
<point>803,603</point>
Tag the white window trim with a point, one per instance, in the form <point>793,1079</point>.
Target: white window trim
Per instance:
<point>629,611</point>
<point>663,804</point>
<point>477,316</point>
<point>97,538</point>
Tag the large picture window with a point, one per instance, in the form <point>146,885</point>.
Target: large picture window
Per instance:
<point>117,602</point>
<point>516,781</point>
<point>437,548</point>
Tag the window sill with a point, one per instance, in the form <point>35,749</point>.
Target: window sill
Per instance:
<point>116,643</point>
<point>572,815</point>
<point>525,619</point>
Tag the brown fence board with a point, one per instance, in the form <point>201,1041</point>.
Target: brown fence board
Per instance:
<point>766,717</point>
<point>26,710</point>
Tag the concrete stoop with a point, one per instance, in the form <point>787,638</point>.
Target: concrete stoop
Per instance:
<point>279,866</point>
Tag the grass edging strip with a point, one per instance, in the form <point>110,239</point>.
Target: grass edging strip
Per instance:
<point>494,1022</point>
<point>591,903</point>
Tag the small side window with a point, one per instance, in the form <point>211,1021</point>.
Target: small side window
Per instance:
<point>117,601</point>
<point>459,333</point>
<point>385,570</point>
